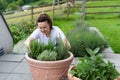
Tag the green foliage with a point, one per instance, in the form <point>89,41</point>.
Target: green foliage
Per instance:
<point>3,4</point>
<point>110,29</point>
<point>62,51</point>
<point>20,2</point>
<point>36,48</point>
<point>48,52</point>
<point>15,32</point>
<point>47,55</point>
<point>20,31</point>
<point>94,68</point>
<point>108,24</point>
<point>81,38</point>
<point>8,5</point>
<point>12,6</point>
<point>29,1</point>
<point>64,23</point>
<point>93,52</point>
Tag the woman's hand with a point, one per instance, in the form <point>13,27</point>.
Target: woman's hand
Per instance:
<point>66,43</point>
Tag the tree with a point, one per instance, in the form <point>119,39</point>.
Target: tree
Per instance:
<point>3,5</point>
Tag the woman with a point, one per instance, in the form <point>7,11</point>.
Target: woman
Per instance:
<point>46,32</point>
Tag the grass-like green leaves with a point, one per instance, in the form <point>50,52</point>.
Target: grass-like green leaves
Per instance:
<point>48,52</point>
<point>47,55</point>
<point>81,38</point>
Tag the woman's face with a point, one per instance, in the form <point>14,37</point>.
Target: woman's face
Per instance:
<point>44,27</point>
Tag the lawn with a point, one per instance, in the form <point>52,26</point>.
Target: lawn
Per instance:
<point>110,28</point>
<point>108,24</point>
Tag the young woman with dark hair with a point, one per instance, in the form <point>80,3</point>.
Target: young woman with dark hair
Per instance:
<point>46,32</point>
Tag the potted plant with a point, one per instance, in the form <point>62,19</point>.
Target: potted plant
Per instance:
<point>47,62</point>
<point>93,68</point>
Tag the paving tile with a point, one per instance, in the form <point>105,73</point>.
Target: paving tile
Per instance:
<point>24,61</point>
<point>7,66</point>
<point>22,68</point>
<point>75,61</point>
<point>118,68</point>
<point>108,50</point>
<point>115,61</point>
<point>3,76</point>
<point>111,55</point>
<point>11,57</point>
<point>19,77</point>
<point>20,48</point>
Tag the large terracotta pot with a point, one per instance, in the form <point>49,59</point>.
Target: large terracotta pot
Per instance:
<point>49,70</point>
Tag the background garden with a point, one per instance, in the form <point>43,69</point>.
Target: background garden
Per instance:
<point>107,24</point>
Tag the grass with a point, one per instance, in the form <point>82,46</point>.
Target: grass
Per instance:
<point>108,24</point>
<point>110,28</point>
<point>65,24</point>
<point>103,3</point>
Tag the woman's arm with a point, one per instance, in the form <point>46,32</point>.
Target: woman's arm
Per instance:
<point>66,42</point>
<point>33,36</point>
<point>28,41</point>
<point>63,37</point>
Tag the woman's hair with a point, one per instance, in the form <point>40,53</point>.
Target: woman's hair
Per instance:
<point>44,17</point>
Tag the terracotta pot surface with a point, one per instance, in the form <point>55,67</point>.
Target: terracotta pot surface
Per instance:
<point>49,70</point>
<point>70,77</point>
<point>118,78</point>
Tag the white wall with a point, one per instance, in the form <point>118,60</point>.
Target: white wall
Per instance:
<point>6,40</point>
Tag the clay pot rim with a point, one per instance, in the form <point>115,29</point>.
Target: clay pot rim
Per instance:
<point>58,61</point>
<point>70,76</point>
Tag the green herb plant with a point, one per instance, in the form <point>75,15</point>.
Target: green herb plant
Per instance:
<point>95,68</point>
<point>36,48</point>
<point>48,52</point>
<point>47,55</point>
<point>81,38</point>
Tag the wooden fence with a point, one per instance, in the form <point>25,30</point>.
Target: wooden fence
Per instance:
<point>35,10</point>
<point>101,12</point>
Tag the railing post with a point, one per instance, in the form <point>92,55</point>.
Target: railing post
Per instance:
<point>32,13</point>
<point>53,8</point>
<point>59,8</point>
<point>83,9</point>
<point>68,9</point>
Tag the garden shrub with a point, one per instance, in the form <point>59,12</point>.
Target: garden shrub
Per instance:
<point>81,38</point>
<point>21,31</point>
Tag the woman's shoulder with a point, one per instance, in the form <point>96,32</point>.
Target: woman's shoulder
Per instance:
<point>37,31</point>
<point>56,28</point>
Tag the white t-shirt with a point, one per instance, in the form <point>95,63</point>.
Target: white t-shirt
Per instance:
<point>55,34</point>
